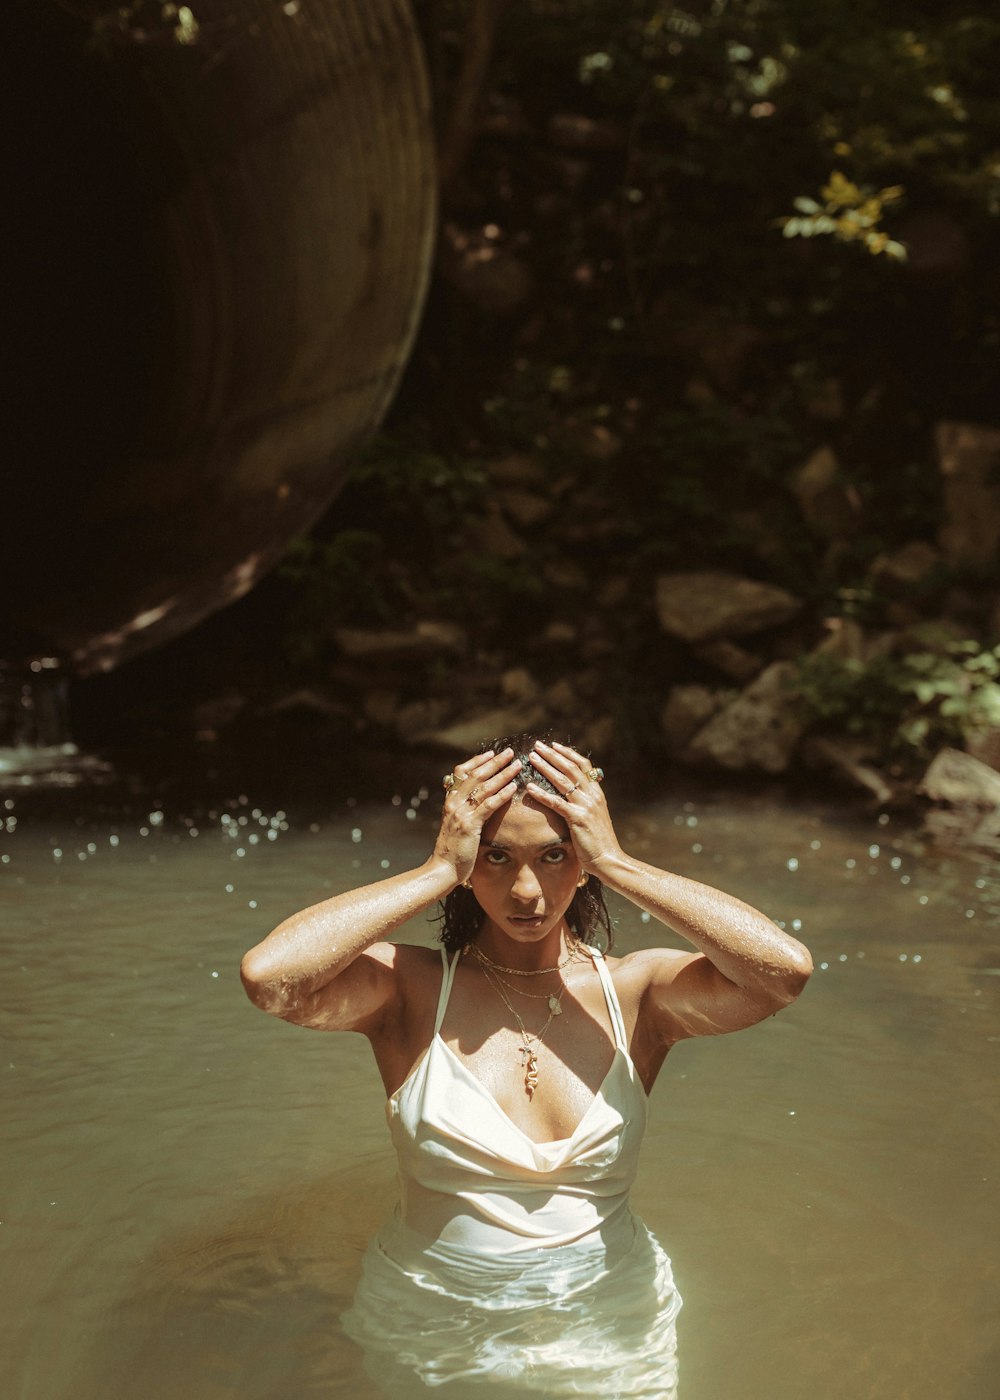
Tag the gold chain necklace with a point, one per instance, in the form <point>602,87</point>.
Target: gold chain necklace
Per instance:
<point>529,1056</point>
<point>521,971</point>
<point>552,999</point>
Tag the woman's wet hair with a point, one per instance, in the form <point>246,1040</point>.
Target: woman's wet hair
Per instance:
<point>587,915</point>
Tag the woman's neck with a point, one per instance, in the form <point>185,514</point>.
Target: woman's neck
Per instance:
<point>548,952</point>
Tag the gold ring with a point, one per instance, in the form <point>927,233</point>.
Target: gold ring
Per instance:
<point>449,780</point>
<point>596,774</point>
<point>474,795</point>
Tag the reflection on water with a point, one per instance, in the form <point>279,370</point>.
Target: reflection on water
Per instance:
<point>189,1186</point>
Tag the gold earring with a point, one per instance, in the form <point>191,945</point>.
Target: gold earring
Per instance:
<point>583,880</point>
<point>466,884</point>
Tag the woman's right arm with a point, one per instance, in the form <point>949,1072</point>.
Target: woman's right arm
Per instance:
<point>330,966</point>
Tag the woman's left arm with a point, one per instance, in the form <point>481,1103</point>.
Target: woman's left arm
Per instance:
<point>744,967</point>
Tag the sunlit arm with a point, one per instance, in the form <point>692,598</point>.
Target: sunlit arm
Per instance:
<point>310,970</point>
<point>748,968</point>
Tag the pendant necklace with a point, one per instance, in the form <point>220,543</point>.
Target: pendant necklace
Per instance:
<point>527,1050</point>
<point>491,968</point>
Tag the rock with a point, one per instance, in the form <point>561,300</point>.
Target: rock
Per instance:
<point>909,572</point>
<point>845,640</point>
<point>426,639</point>
<point>612,593</point>
<point>969,459</point>
<point>731,660</point>
<point>492,277</point>
<point>467,736</point>
<point>759,730</point>
<point>688,709</point>
<point>563,573</point>
<point>984,744</point>
<point>961,780</point>
<point>700,607</point>
<point>491,534</point>
<point>416,721</point>
<point>218,713</point>
<point>518,687</point>
<point>560,634</point>
<point>848,758</point>
<point>830,506</point>
<point>516,469</point>
<point>560,698</point>
<point>310,702</point>
<point>573,131</point>
<point>525,508</point>
<point>826,401</point>
<point>598,736</point>
<point>380,706</point>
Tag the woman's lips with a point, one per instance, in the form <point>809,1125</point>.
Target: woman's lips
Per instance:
<point>528,920</point>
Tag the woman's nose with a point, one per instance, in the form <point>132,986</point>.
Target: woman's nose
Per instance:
<point>526,884</point>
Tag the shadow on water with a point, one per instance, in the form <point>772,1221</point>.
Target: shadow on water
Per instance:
<point>202,1315</point>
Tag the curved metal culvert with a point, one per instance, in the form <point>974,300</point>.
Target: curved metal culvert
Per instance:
<point>220,258</point>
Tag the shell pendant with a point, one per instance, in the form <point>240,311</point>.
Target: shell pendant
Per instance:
<point>554,1006</point>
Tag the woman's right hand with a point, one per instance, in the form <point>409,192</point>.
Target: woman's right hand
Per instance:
<point>482,785</point>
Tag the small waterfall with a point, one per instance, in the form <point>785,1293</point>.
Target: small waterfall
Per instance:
<point>36,749</point>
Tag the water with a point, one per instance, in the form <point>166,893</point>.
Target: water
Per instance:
<point>188,1185</point>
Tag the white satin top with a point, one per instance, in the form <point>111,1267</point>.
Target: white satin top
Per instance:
<point>469,1177</point>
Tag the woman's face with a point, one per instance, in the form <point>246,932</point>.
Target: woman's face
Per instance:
<point>527,871</point>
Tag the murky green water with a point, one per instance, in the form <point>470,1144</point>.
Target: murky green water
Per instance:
<point>188,1186</point>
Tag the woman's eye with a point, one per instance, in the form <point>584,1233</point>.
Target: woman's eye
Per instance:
<point>495,857</point>
<point>555,857</point>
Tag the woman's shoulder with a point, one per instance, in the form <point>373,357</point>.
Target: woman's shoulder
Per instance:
<point>645,965</point>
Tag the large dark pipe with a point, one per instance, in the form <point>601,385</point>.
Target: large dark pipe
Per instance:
<point>219,257</point>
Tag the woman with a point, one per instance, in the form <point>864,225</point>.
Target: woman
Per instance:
<point>517,1063</point>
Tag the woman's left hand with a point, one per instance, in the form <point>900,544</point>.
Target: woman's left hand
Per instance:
<point>581,802</point>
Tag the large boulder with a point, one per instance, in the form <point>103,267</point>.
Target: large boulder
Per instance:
<point>759,730</point>
<point>961,780</point>
<point>830,505</point>
<point>969,459</point>
<point>969,794</point>
<point>687,710</point>
<point>700,607</point>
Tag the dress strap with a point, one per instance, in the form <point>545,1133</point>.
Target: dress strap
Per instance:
<point>611,997</point>
<point>447,978</point>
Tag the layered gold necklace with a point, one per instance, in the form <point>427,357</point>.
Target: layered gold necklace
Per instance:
<point>527,1050</point>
